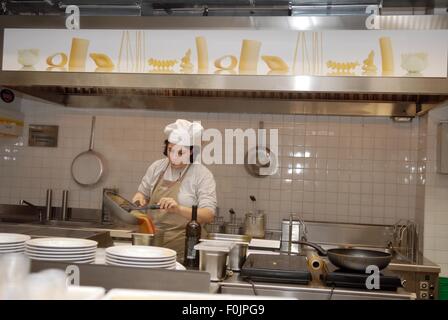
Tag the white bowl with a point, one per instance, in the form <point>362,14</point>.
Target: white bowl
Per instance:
<point>414,62</point>
<point>28,57</point>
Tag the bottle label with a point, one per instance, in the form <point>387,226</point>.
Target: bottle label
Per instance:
<point>191,251</point>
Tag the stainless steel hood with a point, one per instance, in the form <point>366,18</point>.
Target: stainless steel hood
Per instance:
<point>229,93</point>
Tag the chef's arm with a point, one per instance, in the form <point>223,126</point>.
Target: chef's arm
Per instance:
<point>205,215</point>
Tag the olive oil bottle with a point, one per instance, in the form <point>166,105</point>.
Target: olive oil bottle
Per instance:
<point>192,236</point>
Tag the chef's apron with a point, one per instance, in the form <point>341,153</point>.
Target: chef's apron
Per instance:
<point>170,224</point>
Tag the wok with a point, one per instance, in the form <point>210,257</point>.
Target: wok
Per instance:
<point>353,259</point>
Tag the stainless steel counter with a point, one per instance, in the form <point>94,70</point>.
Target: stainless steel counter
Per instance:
<point>37,231</point>
<point>236,285</point>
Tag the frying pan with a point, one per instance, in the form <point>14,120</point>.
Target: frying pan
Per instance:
<point>88,167</point>
<point>353,259</point>
<point>121,208</point>
<point>261,161</point>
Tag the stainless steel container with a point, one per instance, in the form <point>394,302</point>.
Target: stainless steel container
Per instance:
<point>147,239</point>
<point>233,228</point>
<point>238,254</point>
<point>255,224</point>
<point>293,230</point>
<point>213,258</point>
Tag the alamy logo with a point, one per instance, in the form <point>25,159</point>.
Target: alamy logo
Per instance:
<point>73,275</point>
<point>72,21</point>
<point>236,146</point>
<point>373,280</point>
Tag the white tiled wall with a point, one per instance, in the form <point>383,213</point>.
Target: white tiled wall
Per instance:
<point>346,169</point>
<point>436,197</point>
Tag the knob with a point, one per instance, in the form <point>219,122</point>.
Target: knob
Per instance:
<point>403,283</point>
<point>431,296</point>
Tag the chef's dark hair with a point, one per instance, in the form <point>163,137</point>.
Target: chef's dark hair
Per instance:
<point>193,150</point>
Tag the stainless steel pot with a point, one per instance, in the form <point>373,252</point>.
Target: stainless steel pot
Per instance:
<point>238,254</point>
<point>213,258</point>
<point>255,224</point>
<point>146,239</point>
<point>293,230</point>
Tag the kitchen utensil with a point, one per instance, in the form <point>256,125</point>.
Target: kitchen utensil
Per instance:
<point>234,226</point>
<point>123,209</point>
<point>237,255</point>
<point>293,230</point>
<point>353,259</point>
<point>255,221</point>
<point>89,166</point>
<point>261,161</point>
<point>213,258</point>
<point>146,239</point>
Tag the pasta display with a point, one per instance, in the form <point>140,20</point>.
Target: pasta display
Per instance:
<point>63,61</point>
<point>185,63</point>
<point>308,53</point>
<point>369,68</point>
<point>227,62</point>
<point>342,68</point>
<point>132,54</point>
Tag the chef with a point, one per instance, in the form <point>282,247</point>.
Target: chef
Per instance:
<point>176,183</point>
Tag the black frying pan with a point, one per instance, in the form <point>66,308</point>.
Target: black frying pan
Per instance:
<point>353,259</point>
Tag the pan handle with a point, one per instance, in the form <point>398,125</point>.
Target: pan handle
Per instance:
<point>321,251</point>
<point>92,133</point>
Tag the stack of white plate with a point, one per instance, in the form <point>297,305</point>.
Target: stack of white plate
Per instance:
<point>141,257</point>
<point>62,249</point>
<point>12,243</point>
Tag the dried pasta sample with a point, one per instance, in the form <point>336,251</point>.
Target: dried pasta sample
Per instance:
<point>369,67</point>
<point>51,60</point>
<point>227,62</point>
<point>275,63</point>
<point>342,68</point>
<point>185,63</point>
<point>102,60</point>
<point>162,65</point>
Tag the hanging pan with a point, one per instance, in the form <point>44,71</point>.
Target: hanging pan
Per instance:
<point>88,168</point>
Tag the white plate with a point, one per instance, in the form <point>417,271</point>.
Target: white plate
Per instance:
<point>138,266</point>
<point>11,251</point>
<point>12,245</point>
<point>125,260</point>
<point>142,252</point>
<point>67,252</point>
<point>60,256</point>
<point>169,264</point>
<point>12,248</point>
<point>64,260</point>
<point>47,249</point>
<point>160,260</point>
<point>13,238</point>
<point>65,243</point>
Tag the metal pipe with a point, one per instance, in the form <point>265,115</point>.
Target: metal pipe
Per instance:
<point>48,207</point>
<point>64,205</point>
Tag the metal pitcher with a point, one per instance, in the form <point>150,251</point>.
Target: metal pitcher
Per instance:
<point>255,224</point>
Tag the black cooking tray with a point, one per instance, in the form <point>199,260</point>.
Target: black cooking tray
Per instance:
<point>276,268</point>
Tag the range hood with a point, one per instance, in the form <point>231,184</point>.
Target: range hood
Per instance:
<point>326,95</point>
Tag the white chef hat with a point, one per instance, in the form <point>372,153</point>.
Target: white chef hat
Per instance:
<point>184,133</point>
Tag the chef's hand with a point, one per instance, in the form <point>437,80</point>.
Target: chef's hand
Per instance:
<point>140,199</point>
<point>169,204</point>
